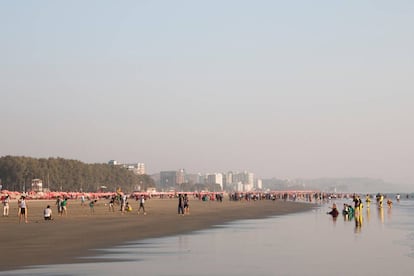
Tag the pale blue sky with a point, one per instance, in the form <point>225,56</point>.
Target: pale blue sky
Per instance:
<point>280,88</point>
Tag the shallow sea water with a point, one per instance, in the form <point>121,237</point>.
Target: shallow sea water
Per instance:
<point>309,243</point>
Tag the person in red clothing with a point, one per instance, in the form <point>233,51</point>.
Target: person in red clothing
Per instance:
<point>334,212</point>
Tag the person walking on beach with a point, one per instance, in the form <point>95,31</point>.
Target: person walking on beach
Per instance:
<point>123,203</point>
<point>141,204</point>
<point>111,204</point>
<point>186,204</point>
<point>6,203</point>
<point>22,210</point>
<point>180,204</point>
<point>59,204</point>
<point>63,208</point>
<point>92,206</point>
<point>82,200</point>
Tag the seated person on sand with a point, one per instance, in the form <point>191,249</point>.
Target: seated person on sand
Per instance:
<point>47,213</point>
<point>128,207</point>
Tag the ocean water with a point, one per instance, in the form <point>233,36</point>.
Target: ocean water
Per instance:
<point>309,243</point>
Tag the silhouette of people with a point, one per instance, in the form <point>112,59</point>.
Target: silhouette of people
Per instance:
<point>141,204</point>
<point>186,204</point>
<point>180,204</point>
<point>334,212</point>
<point>368,200</point>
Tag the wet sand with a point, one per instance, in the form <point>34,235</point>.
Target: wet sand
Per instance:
<point>67,238</point>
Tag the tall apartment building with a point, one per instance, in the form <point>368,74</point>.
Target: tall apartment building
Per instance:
<point>181,177</point>
<point>215,178</point>
<point>240,182</point>
<point>168,179</point>
<point>243,177</point>
<point>259,185</point>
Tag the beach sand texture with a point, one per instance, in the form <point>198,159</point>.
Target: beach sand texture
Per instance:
<point>67,238</point>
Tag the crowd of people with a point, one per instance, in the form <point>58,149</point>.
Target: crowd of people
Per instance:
<point>121,201</point>
<point>354,211</point>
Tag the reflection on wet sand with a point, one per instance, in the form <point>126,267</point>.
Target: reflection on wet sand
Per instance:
<point>358,215</point>
<point>358,221</point>
<point>367,242</point>
<point>389,212</point>
<point>381,214</point>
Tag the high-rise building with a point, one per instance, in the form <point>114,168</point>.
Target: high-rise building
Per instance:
<point>259,184</point>
<point>227,180</point>
<point>181,177</point>
<point>215,178</point>
<point>168,179</point>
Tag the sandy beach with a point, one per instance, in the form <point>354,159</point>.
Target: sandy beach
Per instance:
<point>67,238</point>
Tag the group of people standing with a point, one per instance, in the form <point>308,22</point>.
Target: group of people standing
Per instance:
<point>124,204</point>
<point>350,212</point>
<point>354,211</point>
<point>61,204</point>
<point>22,209</point>
<point>183,204</point>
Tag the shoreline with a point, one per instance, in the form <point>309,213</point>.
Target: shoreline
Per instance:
<point>81,234</point>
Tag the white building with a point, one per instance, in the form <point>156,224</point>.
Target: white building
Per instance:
<point>259,184</point>
<point>215,178</point>
<point>37,185</point>
<point>137,168</point>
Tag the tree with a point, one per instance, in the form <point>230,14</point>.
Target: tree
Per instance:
<point>68,175</point>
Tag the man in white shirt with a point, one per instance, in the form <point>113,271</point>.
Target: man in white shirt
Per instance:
<point>47,213</point>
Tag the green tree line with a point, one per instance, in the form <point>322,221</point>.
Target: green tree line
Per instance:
<point>59,174</point>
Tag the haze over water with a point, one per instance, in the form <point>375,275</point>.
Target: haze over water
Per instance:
<point>287,89</point>
<point>309,243</point>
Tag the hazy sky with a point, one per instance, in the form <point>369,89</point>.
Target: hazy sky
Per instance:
<point>279,88</point>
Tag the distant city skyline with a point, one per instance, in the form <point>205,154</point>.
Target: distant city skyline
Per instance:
<point>284,89</point>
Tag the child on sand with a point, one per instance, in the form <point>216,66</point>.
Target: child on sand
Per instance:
<point>128,207</point>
